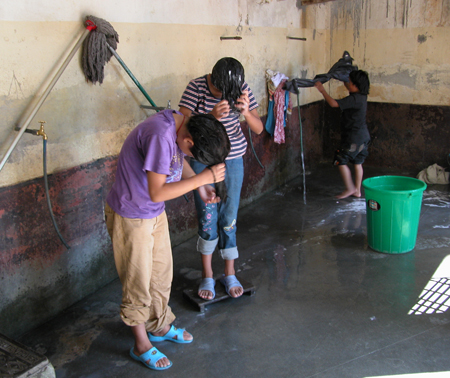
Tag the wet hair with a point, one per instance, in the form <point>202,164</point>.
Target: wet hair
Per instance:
<point>228,77</point>
<point>211,144</point>
<point>361,79</point>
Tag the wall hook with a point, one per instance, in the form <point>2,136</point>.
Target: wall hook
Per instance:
<point>297,38</point>
<point>235,37</point>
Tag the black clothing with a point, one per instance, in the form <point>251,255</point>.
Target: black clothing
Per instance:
<point>351,154</point>
<point>340,71</point>
<point>353,119</point>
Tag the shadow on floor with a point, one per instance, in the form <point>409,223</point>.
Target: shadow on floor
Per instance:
<point>326,304</point>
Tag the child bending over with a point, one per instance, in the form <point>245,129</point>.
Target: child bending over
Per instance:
<point>149,169</point>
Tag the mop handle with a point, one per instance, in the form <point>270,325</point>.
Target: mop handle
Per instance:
<point>130,74</point>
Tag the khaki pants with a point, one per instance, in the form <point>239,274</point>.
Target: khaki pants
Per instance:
<point>143,257</point>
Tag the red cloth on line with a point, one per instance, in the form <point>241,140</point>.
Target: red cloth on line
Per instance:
<point>279,109</point>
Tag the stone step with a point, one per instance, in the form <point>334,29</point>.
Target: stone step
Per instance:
<point>19,361</point>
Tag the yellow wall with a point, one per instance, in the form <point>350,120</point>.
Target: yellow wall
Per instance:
<point>165,44</point>
<point>402,44</point>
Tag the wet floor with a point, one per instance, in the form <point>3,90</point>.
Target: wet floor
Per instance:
<point>326,305</point>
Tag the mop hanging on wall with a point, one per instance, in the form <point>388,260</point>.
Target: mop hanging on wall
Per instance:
<point>96,52</point>
<point>98,48</point>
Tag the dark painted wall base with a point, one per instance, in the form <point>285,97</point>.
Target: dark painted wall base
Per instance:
<point>40,277</point>
<point>404,136</point>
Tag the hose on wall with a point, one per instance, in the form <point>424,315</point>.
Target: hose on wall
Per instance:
<point>42,133</point>
<point>47,194</point>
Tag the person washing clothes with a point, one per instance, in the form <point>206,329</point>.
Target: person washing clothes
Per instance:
<point>149,170</point>
<point>224,94</point>
<point>355,137</point>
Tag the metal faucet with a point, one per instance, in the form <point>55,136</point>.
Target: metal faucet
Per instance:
<point>41,130</point>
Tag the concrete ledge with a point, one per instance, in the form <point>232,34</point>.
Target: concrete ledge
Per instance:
<point>19,361</point>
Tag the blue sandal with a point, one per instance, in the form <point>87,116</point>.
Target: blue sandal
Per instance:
<point>170,336</point>
<point>153,355</point>
<point>208,284</point>
<point>229,282</point>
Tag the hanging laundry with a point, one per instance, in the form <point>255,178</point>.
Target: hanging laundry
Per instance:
<point>279,112</point>
<point>339,71</point>
<point>277,78</point>
<point>273,79</point>
<point>279,105</point>
<point>270,121</point>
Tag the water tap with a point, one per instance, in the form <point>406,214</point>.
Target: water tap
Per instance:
<point>41,130</point>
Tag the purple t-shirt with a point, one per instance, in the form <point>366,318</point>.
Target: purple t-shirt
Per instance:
<point>151,146</point>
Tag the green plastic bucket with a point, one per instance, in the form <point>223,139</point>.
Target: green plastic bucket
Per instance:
<point>393,210</point>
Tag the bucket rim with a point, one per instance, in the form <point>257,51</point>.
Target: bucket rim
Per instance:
<point>366,184</point>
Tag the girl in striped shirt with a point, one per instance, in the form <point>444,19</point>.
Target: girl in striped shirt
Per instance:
<point>224,94</point>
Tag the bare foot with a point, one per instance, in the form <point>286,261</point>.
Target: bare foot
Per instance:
<point>186,335</point>
<point>206,289</point>
<point>357,193</point>
<point>205,294</point>
<point>236,291</point>
<point>347,193</point>
<point>232,285</point>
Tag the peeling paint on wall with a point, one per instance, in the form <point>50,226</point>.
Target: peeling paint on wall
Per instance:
<point>404,78</point>
<point>399,42</point>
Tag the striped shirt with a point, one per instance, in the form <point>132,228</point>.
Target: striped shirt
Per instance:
<point>198,98</point>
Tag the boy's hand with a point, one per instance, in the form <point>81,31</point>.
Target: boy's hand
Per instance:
<point>330,100</point>
<point>243,102</point>
<point>222,109</point>
<point>216,172</point>
<point>208,194</point>
<point>212,174</point>
<point>319,86</point>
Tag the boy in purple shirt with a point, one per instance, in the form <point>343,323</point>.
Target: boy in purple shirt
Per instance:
<point>150,167</point>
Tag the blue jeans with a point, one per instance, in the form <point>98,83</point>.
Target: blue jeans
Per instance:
<point>217,222</point>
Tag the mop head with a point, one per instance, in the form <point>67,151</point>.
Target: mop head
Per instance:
<point>95,48</point>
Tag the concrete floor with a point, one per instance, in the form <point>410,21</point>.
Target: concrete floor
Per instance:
<point>326,304</point>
